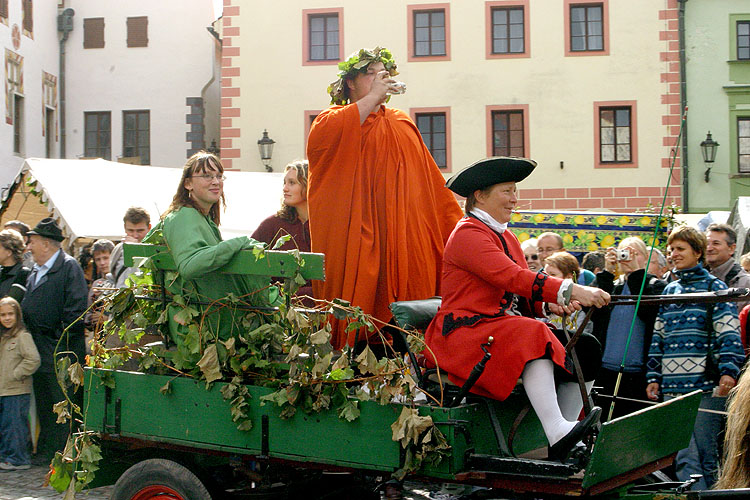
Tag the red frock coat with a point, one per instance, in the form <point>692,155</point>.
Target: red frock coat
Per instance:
<point>484,294</point>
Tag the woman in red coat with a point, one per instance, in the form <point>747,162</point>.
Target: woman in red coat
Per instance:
<point>488,290</point>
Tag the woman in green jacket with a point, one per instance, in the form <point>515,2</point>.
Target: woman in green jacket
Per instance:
<point>191,232</point>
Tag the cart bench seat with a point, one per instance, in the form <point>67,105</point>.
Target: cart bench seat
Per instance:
<point>273,263</point>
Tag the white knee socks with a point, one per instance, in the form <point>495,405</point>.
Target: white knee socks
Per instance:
<point>569,399</point>
<point>539,382</point>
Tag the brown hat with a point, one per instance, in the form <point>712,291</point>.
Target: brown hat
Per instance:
<point>48,228</point>
<point>488,172</point>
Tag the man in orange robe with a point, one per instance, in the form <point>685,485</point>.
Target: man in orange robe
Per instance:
<point>378,206</point>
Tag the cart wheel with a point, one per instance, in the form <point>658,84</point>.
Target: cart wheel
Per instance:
<point>160,479</point>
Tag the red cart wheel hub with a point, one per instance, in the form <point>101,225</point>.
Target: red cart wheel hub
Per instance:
<point>157,492</point>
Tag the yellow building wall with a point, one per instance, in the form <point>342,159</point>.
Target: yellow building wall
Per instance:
<point>266,86</point>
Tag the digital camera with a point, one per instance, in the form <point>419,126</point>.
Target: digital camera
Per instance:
<point>623,253</point>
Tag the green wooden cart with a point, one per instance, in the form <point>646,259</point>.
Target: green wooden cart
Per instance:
<point>184,444</point>
<point>192,426</point>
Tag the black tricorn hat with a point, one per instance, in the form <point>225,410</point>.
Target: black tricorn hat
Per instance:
<point>48,228</point>
<point>488,172</point>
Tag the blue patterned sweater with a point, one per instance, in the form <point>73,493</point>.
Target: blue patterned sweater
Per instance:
<point>677,356</point>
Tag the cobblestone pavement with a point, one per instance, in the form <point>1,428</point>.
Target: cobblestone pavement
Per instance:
<point>27,485</point>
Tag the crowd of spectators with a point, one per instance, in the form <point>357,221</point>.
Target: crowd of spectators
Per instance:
<point>658,352</point>
<point>45,295</point>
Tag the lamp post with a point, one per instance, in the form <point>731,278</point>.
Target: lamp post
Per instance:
<point>265,146</point>
<point>708,149</point>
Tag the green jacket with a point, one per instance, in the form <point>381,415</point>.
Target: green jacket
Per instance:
<point>198,252</point>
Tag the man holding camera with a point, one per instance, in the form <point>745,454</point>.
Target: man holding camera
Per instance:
<point>612,325</point>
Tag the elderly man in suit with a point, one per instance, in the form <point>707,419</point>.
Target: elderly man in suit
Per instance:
<point>55,300</point>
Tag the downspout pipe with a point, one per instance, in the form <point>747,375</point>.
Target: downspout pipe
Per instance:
<point>683,104</point>
<point>204,90</point>
<point>64,26</point>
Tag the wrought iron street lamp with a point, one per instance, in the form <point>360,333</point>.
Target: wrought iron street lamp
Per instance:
<point>708,149</point>
<point>265,146</point>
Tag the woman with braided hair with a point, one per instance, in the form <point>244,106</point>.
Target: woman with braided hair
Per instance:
<point>291,220</point>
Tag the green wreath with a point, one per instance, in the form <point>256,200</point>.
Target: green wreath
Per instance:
<point>358,63</point>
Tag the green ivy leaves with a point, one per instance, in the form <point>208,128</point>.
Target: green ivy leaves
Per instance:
<point>358,63</point>
<point>287,350</point>
<point>421,439</point>
<point>209,364</point>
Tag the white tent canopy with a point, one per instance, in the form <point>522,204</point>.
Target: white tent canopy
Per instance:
<point>89,197</point>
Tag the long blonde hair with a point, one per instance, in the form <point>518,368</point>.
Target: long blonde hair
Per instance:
<point>289,213</point>
<point>19,326</point>
<point>735,469</point>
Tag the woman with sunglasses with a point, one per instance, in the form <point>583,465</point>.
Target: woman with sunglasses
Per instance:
<point>530,252</point>
<point>190,228</point>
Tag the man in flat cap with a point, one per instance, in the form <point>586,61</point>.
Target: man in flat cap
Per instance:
<point>56,297</point>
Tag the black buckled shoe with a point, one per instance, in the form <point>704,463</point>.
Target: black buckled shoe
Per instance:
<point>561,449</point>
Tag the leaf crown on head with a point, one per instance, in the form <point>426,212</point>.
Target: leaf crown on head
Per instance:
<point>358,63</point>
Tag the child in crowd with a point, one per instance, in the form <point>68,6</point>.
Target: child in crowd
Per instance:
<point>564,265</point>
<point>745,262</point>
<point>19,359</point>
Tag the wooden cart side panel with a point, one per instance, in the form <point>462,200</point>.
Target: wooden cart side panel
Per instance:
<point>191,415</point>
<point>647,436</point>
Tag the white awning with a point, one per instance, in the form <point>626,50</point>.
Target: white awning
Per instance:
<point>90,197</point>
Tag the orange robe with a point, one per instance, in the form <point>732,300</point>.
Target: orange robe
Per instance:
<point>379,210</point>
